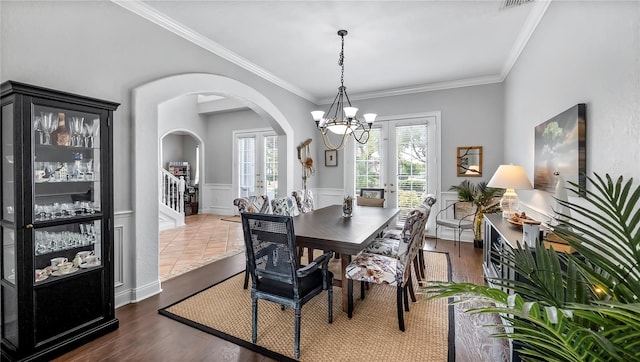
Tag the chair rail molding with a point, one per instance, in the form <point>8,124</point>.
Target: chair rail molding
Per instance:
<point>328,196</point>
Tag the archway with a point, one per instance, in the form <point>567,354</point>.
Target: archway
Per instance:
<point>146,99</point>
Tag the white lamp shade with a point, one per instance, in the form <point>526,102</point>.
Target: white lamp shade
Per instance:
<point>339,129</point>
<point>510,177</point>
<point>370,117</point>
<point>317,115</point>
<point>350,112</point>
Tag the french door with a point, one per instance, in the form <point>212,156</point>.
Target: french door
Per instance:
<point>401,158</point>
<point>256,172</point>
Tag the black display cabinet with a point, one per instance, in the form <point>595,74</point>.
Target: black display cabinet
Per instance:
<point>56,279</point>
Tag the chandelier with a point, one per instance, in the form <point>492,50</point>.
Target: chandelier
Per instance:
<point>341,117</point>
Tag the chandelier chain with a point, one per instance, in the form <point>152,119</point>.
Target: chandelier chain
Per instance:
<point>341,62</point>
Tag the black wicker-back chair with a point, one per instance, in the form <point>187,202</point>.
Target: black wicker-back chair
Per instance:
<point>276,275</point>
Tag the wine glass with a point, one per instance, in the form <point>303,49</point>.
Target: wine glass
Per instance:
<point>48,126</point>
<point>94,125</point>
<point>37,126</point>
<point>76,131</point>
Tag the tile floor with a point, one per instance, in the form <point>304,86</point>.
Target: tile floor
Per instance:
<point>204,239</point>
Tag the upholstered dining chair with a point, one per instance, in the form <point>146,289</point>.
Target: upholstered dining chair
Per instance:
<point>390,241</point>
<point>286,206</point>
<point>276,275</point>
<point>459,222</point>
<point>380,269</point>
<point>304,200</point>
<point>255,203</point>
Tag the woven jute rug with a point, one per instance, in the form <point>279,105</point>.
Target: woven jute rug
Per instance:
<point>372,334</point>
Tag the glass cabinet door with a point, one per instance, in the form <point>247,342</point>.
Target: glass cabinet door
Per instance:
<point>8,202</point>
<point>66,190</point>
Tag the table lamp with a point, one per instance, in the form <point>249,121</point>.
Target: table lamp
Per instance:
<point>510,177</point>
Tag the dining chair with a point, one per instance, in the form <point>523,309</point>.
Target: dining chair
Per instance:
<point>276,275</point>
<point>462,219</point>
<point>304,200</point>
<point>380,269</point>
<point>254,203</point>
<point>286,206</point>
<point>389,244</point>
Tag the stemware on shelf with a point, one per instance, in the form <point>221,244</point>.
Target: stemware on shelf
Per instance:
<point>76,131</point>
<point>48,124</point>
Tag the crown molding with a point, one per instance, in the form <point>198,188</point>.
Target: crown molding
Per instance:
<point>422,88</point>
<point>147,12</point>
<point>530,25</point>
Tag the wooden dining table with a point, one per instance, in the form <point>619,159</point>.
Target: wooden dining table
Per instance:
<point>326,229</point>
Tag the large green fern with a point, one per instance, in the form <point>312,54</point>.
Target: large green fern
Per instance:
<point>581,307</point>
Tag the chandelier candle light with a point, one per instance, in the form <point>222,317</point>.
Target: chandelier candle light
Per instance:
<point>510,177</point>
<point>341,118</point>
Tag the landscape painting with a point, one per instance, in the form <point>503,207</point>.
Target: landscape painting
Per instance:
<point>560,149</point>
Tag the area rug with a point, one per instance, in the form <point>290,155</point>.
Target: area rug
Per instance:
<point>224,310</point>
<point>234,218</point>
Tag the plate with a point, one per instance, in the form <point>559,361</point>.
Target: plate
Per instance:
<point>87,266</point>
<point>44,277</point>
<point>59,274</point>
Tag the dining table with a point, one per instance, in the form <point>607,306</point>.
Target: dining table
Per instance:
<point>326,229</point>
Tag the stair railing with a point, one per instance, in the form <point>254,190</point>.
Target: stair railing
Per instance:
<point>172,190</point>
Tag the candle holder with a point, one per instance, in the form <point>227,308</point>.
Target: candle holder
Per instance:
<point>347,206</point>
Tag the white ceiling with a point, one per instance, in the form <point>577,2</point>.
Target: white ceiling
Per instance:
<point>393,47</point>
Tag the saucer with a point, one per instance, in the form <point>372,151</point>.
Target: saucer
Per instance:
<point>58,273</point>
<point>87,266</point>
<point>44,277</point>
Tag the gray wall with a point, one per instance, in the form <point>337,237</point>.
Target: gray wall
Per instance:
<point>219,139</point>
<point>172,149</point>
<point>581,52</point>
<point>98,49</point>
<point>471,116</point>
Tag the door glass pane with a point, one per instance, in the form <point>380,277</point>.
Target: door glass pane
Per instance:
<point>246,160</point>
<point>411,142</point>
<point>271,165</point>
<point>368,166</point>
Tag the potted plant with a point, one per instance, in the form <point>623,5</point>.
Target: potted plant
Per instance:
<point>573,307</point>
<point>483,200</point>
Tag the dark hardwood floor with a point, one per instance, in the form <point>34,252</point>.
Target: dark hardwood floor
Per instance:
<point>144,335</point>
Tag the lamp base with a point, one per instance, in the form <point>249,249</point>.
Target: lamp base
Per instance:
<point>509,203</point>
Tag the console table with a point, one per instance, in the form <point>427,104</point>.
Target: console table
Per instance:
<point>499,235</point>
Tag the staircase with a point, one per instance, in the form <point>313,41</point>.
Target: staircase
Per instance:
<point>171,205</point>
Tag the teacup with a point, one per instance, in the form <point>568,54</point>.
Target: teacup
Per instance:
<point>65,267</point>
<point>57,261</point>
<point>91,260</point>
<point>84,254</point>
<point>41,274</point>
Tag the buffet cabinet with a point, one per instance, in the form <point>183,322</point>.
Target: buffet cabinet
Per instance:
<point>56,229</point>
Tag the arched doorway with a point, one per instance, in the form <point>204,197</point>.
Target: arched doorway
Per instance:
<point>146,99</point>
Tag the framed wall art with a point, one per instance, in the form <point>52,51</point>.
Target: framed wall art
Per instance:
<point>560,148</point>
<point>331,158</point>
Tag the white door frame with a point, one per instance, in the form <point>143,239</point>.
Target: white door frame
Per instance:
<point>258,132</point>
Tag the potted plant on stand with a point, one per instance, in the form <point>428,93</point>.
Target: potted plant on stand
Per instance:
<point>483,199</point>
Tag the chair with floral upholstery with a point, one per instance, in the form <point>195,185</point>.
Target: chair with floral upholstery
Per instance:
<point>304,199</point>
<point>257,204</point>
<point>388,244</point>
<point>380,269</point>
<point>286,206</point>
<point>276,275</point>
<point>305,202</point>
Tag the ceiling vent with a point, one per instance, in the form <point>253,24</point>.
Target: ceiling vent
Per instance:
<point>513,3</point>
